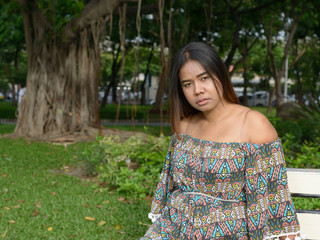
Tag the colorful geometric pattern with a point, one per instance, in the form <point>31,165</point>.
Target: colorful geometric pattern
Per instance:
<point>210,190</point>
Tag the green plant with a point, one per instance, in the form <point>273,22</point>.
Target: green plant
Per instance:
<point>309,156</point>
<point>7,111</point>
<point>132,168</point>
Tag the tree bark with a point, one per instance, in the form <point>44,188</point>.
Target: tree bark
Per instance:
<point>164,65</point>
<point>63,71</point>
<point>143,85</point>
<point>297,70</point>
<point>115,69</point>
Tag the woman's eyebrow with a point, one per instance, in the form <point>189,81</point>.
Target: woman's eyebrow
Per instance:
<point>201,74</point>
<point>183,81</point>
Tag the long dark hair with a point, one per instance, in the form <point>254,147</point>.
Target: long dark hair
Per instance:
<point>212,63</point>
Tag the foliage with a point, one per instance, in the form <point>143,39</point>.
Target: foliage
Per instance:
<point>311,111</point>
<point>132,167</point>
<point>109,112</point>
<point>59,12</point>
<point>7,111</point>
<point>12,59</point>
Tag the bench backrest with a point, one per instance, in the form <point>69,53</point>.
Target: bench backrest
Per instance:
<point>306,183</point>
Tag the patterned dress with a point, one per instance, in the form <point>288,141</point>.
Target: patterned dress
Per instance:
<point>211,190</point>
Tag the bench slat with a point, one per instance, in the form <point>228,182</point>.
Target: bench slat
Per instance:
<point>310,225</point>
<point>304,181</point>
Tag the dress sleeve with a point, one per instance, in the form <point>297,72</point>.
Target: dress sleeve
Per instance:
<point>270,209</point>
<point>164,188</point>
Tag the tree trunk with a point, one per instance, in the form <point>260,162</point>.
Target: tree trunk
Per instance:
<point>297,70</point>
<point>115,69</point>
<point>164,64</point>
<point>62,78</point>
<point>61,91</point>
<point>143,85</point>
<point>271,100</point>
<point>245,80</point>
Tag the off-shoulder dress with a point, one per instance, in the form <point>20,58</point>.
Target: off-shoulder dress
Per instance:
<point>214,190</point>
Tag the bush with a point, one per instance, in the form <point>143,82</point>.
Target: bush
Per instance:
<point>7,111</point>
<point>302,129</point>
<point>131,168</point>
<point>108,112</point>
<point>306,155</point>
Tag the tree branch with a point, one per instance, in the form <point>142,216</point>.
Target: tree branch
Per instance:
<point>292,33</point>
<point>299,55</point>
<point>93,11</point>
<point>268,35</point>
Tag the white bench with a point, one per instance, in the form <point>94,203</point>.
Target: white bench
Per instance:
<point>306,183</point>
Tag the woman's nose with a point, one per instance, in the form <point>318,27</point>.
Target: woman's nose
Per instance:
<point>198,89</point>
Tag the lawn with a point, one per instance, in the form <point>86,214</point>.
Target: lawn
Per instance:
<point>39,200</point>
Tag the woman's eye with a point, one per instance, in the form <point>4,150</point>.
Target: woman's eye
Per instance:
<point>187,84</point>
<point>204,78</point>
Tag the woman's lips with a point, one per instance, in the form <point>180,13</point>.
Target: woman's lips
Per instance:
<point>202,101</point>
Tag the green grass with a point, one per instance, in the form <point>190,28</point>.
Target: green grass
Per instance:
<point>7,128</point>
<point>35,197</point>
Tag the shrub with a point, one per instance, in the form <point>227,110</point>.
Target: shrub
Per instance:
<point>131,168</point>
<point>7,111</point>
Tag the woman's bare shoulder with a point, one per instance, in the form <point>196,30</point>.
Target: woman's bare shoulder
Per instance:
<point>259,128</point>
<point>185,122</point>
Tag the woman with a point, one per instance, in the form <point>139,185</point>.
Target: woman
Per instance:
<point>224,176</point>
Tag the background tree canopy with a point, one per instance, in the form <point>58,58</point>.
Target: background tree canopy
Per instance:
<point>66,51</point>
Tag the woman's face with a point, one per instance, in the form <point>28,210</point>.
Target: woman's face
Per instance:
<point>198,87</point>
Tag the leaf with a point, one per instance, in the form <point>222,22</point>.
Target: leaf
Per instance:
<point>141,223</point>
<point>3,235</point>
<point>106,202</point>
<point>99,206</point>
<point>117,227</point>
<point>38,205</point>
<point>89,218</point>
<point>101,223</point>
<point>12,221</point>
<point>36,213</point>
<point>17,206</point>
<point>50,229</point>
<point>122,199</point>
<point>6,208</point>
<point>53,193</point>
<point>4,175</point>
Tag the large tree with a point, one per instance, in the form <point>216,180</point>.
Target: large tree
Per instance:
<point>63,66</point>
